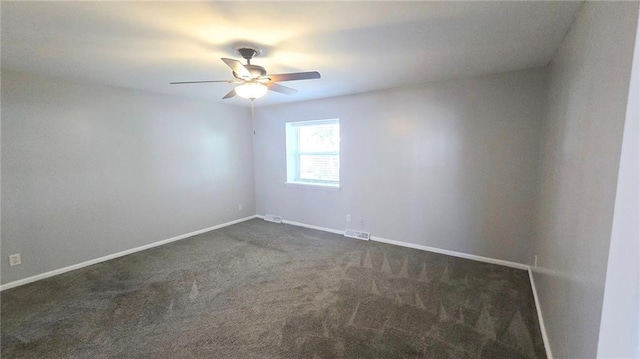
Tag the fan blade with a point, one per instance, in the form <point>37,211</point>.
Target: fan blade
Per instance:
<point>295,76</point>
<point>197,82</point>
<point>237,67</point>
<point>230,94</point>
<point>282,89</point>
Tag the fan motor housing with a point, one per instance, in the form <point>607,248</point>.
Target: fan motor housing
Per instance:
<point>255,70</point>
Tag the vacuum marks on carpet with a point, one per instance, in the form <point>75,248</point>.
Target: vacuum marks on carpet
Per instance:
<point>264,290</point>
<point>422,306</point>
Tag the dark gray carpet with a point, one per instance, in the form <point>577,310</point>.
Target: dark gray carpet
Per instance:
<point>264,290</point>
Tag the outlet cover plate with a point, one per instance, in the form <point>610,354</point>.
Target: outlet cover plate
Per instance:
<point>14,260</point>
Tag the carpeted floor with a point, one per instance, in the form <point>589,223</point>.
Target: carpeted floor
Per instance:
<point>265,290</point>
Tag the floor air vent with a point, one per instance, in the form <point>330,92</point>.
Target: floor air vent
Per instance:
<point>352,233</point>
<point>272,218</point>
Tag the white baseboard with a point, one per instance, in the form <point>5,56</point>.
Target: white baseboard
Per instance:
<point>452,253</point>
<point>55,272</point>
<point>336,231</point>
<point>417,246</point>
<point>298,224</point>
<point>543,329</point>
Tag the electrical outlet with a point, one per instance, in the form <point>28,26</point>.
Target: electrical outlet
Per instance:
<point>348,218</point>
<point>14,260</point>
<point>239,207</point>
<point>535,260</point>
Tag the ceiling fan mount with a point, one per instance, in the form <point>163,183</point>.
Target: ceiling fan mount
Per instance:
<point>253,79</point>
<point>248,52</point>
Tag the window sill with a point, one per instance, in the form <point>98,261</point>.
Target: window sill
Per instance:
<point>325,187</point>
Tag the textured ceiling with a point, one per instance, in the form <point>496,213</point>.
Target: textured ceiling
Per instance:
<point>356,46</point>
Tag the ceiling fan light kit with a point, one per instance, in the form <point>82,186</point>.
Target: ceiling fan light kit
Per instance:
<point>254,80</point>
<point>251,90</point>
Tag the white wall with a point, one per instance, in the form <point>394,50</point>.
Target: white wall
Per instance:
<point>89,170</point>
<point>619,328</point>
<point>588,89</point>
<point>449,164</point>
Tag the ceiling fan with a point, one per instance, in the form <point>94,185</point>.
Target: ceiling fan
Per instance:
<point>254,79</point>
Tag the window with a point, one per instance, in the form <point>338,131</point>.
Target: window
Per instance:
<point>313,153</point>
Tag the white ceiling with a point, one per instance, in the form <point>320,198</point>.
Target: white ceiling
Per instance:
<point>356,46</point>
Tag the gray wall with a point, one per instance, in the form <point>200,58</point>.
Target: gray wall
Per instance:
<point>619,328</point>
<point>450,164</point>
<point>589,82</point>
<point>89,170</point>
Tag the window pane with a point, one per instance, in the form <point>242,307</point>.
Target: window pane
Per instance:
<point>320,167</point>
<point>319,138</point>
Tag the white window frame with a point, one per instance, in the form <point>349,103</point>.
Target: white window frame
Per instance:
<point>293,156</point>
